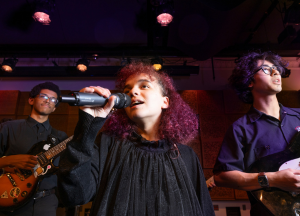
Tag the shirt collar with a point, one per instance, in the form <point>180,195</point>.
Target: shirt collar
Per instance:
<point>255,114</point>
<point>288,111</point>
<point>32,122</point>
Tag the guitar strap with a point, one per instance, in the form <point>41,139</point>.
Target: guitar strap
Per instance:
<point>53,137</point>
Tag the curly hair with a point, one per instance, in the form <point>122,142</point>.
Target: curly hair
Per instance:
<point>244,71</point>
<point>178,123</point>
<point>46,85</point>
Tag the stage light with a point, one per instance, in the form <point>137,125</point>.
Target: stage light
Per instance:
<point>82,64</point>
<point>164,19</point>
<point>157,63</point>
<point>8,65</point>
<point>165,13</point>
<point>42,18</point>
<point>42,11</point>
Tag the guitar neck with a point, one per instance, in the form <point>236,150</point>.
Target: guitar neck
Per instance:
<point>56,149</point>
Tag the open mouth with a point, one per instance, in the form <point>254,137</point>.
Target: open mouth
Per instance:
<point>135,103</point>
<point>277,81</point>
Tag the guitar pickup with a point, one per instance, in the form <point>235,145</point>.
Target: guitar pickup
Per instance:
<point>12,181</point>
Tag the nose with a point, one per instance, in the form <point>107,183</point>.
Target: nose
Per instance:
<point>275,72</point>
<point>47,100</point>
<point>134,91</point>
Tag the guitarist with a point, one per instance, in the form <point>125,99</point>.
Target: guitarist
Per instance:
<point>267,128</point>
<point>18,136</point>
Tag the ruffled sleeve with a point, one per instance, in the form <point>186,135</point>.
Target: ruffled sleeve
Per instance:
<point>78,175</point>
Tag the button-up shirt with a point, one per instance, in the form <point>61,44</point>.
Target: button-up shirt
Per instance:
<point>256,135</point>
<point>18,136</point>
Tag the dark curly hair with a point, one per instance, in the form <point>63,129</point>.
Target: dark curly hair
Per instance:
<point>245,68</point>
<point>46,85</point>
<point>178,123</point>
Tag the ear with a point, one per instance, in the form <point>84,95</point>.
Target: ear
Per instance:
<point>165,103</point>
<point>30,101</point>
<point>54,108</point>
<point>251,84</point>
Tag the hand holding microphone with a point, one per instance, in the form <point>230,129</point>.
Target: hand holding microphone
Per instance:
<point>96,101</point>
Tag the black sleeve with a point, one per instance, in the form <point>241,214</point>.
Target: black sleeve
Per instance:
<point>78,174</point>
<point>3,139</point>
<point>195,172</point>
<point>231,155</point>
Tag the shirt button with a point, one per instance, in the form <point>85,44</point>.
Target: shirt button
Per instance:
<point>282,125</point>
<point>267,147</point>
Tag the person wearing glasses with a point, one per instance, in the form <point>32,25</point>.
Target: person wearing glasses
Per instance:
<point>16,139</point>
<point>266,129</point>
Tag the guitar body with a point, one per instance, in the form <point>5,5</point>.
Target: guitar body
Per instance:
<point>16,189</point>
<point>14,197</point>
<point>278,202</point>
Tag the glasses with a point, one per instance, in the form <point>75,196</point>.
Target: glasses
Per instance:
<point>46,97</point>
<point>269,69</point>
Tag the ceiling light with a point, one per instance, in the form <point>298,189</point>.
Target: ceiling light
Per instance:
<point>82,64</point>
<point>164,19</point>
<point>165,13</point>
<point>157,63</point>
<point>8,65</point>
<point>42,11</point>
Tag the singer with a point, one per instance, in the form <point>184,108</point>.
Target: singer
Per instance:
<point>136,164</point>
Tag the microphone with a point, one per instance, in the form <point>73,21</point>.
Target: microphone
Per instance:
<point>92,99</point>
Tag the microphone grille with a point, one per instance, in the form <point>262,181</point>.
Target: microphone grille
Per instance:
<point>125,101</point>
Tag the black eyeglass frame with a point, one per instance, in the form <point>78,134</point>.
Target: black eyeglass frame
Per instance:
<point>274,67</point>
<point>46,97</point>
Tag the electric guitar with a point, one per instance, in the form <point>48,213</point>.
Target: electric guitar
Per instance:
<point>16,189</point>
<point>279,202</point>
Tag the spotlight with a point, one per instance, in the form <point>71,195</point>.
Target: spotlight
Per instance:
<point>8,65</point>
<point>82,64</point>
<point>157,63</point>
<point>165,13</point>
<point>42,11</point>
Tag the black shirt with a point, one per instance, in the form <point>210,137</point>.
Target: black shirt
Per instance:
<point>18,136</point>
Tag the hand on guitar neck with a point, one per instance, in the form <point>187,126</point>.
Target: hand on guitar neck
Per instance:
<point>21,161</point>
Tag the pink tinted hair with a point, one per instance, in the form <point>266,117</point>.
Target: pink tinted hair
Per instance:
<point>178,123</point>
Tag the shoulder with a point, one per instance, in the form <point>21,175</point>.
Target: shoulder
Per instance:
<point>241,121</point>
<point>185,149</point>
<point>13,123</point>
<point>187,153</point>
<point>291,110</point>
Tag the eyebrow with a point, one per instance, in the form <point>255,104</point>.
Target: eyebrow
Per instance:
<point>48,96</point>
<point>139,81</point>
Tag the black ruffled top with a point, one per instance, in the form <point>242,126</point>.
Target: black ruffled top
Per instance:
<point>132,177</point>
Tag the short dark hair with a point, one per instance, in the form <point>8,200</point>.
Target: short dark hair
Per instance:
<point>46,85</point>
<point>245,68</point>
